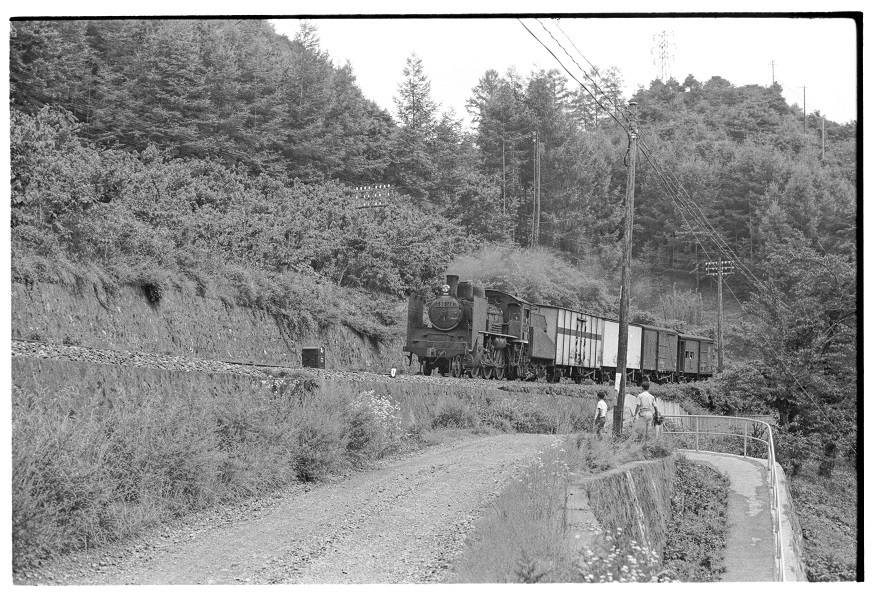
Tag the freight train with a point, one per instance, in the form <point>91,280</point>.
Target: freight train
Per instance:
<point>467,330</point>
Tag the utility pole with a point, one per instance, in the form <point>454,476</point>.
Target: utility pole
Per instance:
<point>534,186</point>
<point>773,72</point>
<point>719,268</point>
<point>503,193</point>
<point>537,188</point>
<point>822,138</point>
<point>804,110</point>
<point>625,302</point>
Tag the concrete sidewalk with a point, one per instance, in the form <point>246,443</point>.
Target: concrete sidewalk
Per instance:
<point>750,539</point>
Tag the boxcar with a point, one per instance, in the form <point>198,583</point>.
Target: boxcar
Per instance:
<point>694,357</point>
<point>610,349</point>
<point>578,341</point>
<point>659,353</point>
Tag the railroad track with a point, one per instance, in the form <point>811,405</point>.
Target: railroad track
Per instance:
<point>128,358</point>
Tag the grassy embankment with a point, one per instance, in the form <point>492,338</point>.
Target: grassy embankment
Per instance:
<point>827,508</point>
<point>90,470</point>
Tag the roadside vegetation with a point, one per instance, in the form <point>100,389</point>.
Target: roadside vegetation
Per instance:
<point>523,538</point>
<point>90,470</point>
<point>697,534</point>
<point>827,508</point>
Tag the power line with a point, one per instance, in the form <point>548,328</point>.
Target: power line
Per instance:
<point>722,245</point>
<point>697,215</point>
<point>618,107</point>
<point>622,125</point>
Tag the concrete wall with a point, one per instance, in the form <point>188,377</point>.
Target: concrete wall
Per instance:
<point>186,325</point>
<point>635,497</point>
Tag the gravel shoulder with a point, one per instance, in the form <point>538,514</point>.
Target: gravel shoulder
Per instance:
<point>404,521</point>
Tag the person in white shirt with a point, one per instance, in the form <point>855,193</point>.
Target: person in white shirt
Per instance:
<point>645,407</point>
<point>600,414</point>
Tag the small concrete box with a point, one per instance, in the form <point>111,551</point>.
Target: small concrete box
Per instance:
<point>314,358</point>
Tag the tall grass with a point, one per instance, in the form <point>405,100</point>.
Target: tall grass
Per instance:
<point>522,539</point>
<point>88,470</point>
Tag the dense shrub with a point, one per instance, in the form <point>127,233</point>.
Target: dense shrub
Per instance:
<point>149,220</point>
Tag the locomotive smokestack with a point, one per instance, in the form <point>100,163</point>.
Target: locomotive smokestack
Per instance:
<point>452,282</point>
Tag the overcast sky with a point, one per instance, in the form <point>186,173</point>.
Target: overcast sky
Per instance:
<point>817,53</point>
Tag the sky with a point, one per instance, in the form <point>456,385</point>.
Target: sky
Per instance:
<point>817,53</point>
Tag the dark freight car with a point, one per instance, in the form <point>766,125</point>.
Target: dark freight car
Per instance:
<point>659,353</point>
<point>694,357</point>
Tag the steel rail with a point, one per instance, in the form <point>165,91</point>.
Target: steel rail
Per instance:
<point>769,440</point>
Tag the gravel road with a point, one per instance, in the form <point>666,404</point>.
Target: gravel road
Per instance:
<point>404,521</point>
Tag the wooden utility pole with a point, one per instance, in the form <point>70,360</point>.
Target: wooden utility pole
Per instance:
<point>625,303</point>
<point>504,202</point>
<point>537,209</point>
<point>773,72</point>
<point>720,268</point>
<point>822,138</point>
<point>534,186</point>
<point>720,317</point>
<point>804,110</point>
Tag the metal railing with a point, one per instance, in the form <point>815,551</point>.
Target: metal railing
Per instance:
<point>744,429</point>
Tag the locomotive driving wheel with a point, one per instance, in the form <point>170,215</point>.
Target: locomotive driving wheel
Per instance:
<point>498,361</point>
<point>456,369</point>
<point>474,371</point>
<point>487,370</point>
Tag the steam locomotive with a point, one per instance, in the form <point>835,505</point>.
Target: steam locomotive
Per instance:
<point>472,331</point>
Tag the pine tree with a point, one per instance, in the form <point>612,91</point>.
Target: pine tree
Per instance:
<point>412,163</point>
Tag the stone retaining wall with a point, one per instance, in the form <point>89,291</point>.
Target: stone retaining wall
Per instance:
<point>635,497</point>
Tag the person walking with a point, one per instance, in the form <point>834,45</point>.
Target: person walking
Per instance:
<point>600,414</point>
<point>646,408</point>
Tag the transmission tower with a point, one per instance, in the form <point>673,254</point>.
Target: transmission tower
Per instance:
<point>663,51</point>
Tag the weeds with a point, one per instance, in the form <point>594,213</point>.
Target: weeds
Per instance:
<point>616,559</point>
<point>694,550</point>
<point>827,509</point>
<point>87,470</point>
<point>521,539</point>
<point>608,453</point>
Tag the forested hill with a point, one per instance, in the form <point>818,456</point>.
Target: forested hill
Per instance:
<point>222,143</point>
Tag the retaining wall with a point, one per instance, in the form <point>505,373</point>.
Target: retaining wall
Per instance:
<point>635,497</point>
<point>185,325</point>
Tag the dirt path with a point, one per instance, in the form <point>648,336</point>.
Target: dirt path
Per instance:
<point>404,522</point>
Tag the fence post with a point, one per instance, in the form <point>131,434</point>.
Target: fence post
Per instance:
<point>696,433</point>
<point>745,438</point>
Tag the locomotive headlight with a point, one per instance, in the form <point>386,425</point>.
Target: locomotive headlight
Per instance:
<point>445,289</point>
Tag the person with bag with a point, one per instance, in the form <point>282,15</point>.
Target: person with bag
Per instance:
<point>646,409</point>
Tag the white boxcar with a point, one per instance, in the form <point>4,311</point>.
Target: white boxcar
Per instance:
<point>610,344</point>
